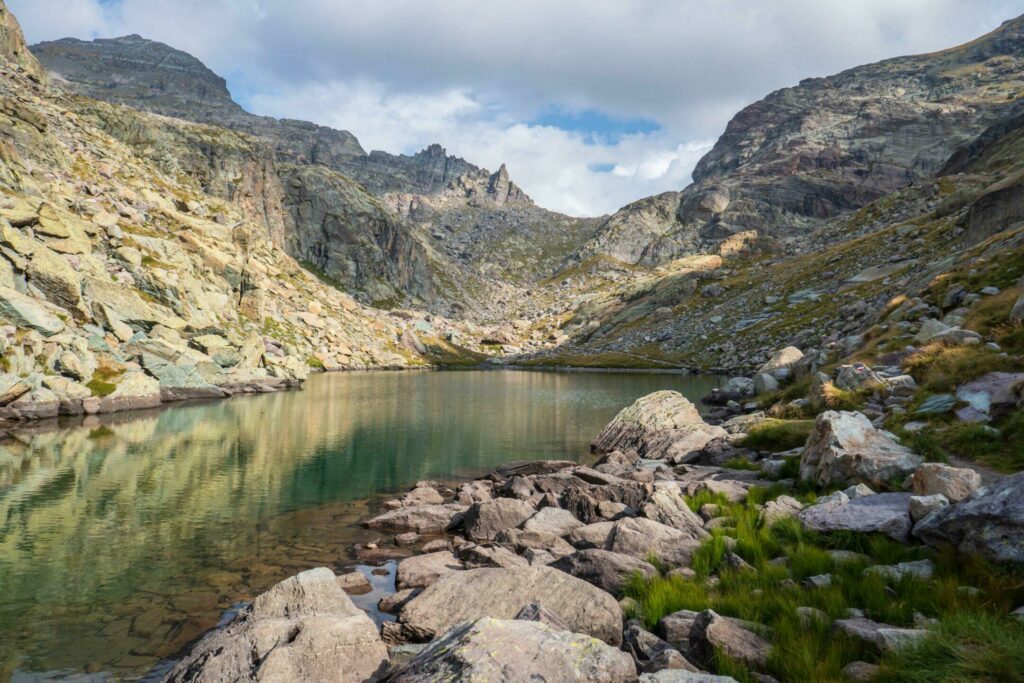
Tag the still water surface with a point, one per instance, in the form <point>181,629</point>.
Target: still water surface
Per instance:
<point>123,538</point>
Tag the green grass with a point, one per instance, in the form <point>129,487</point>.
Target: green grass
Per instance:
<point>315,363</point>
<point>971,646</point>
<point>739,463</point>
<point>778,435</point>
<point>770,593</point>
<point>939,368</point>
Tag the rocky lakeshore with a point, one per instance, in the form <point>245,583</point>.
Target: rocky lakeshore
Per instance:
<point>624,570</point>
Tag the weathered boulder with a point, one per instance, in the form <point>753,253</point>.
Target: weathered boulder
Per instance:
<point>502,593</point>
<point>713,633</point>
<point>303,629</point>
<point>667,506</point>
<point>135,390</point>
<point>989,523</point>
<point>782,359</point>
<point>922,506</point>
<point>651,653</point>
<point>484,521</point>
<point>489,649</point>
<point>476,556</point>
<point>845,447</point>
<point>990,396</point>
<point>660,426</point>
<point>886,637</point>
<point>955,483</point>
<point>607,570</point>
<point>885,513</point>
<point>424,519</point>
<point>551,520</point>
<point>24,311</point>
<point>640,537</point>
<point>420,571</point>
<point>684,676</point>
<point>780,508</point>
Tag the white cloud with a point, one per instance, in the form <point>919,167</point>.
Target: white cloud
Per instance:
<point>403,73</point>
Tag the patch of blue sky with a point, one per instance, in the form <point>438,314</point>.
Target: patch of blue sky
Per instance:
<point>596,127</point>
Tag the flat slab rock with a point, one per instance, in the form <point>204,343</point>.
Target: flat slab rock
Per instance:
<point>886,637</point>
<point>303,629</point>
<point>423,519</point>
<point>502,593</point>
<point>490,649</point>
<point>885,513</point>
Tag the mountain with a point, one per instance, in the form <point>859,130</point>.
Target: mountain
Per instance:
<point>819,206</point>
<point>809,153</point>
<point>427,229</point>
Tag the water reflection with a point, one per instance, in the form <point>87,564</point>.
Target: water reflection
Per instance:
<point>123,538</point>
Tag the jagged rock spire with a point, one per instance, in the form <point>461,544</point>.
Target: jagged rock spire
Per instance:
<point>13,47</point>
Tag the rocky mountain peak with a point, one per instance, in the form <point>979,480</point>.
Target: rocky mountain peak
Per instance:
<point>138,72</point>
<point>13,47</point>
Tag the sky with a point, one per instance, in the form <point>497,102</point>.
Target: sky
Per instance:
<point>592,104</point>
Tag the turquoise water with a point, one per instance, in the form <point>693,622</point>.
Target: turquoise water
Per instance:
<point>123,538</point>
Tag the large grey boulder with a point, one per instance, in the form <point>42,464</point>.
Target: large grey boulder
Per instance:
<point>303,629</point>
<point>990,396</point>
<point>607,570</point>
<point>423,519</point>
<point>484,521</point>
<point>884,513</point>
<point>489,649</point>
<point>660,426</point>
<point>502,593</point>
<point>990,522</point>
<point>845,448</point>
<point>887,638</point>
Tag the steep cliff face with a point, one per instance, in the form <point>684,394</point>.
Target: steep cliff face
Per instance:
<point>13,47</point>
<point>829,145</point>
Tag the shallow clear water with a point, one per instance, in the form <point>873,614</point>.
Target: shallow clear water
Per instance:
<point>123,538</point>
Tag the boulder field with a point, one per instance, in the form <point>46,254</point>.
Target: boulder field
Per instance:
<point>520,575</point>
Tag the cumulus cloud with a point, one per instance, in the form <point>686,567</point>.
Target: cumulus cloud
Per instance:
<point>404,73</point>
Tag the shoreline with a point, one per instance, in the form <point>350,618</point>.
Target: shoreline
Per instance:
<point>61,413</point>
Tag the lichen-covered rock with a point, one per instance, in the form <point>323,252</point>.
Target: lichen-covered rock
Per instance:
<point>660,426</point>
<point>989,522</point>
<point>303,629</point>
<point>489,649</point>
<point>712,633</point>
<point>501,593</point>
<point>845,448</point>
